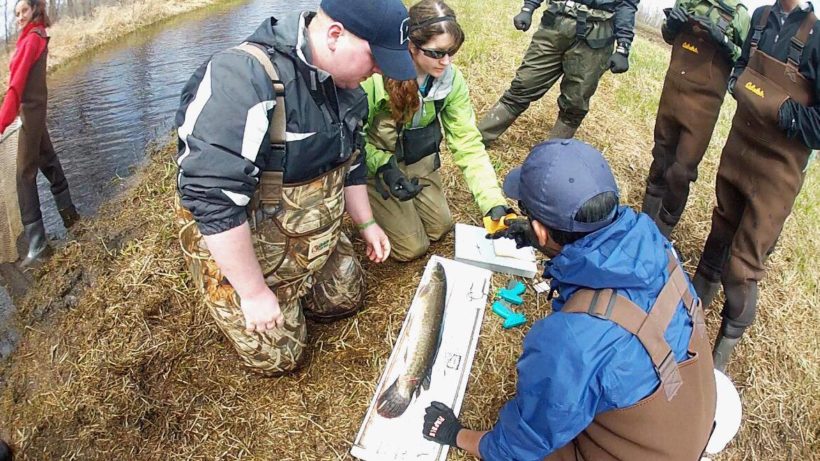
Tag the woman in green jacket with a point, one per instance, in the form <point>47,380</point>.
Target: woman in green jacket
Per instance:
<point>404,134</point>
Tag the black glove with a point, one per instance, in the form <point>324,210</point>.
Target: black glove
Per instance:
<point>675,20</point>
<point>715,33</point>
<point>441,425</point>
<point>523,20</point>
<point>520,230</point>
<point>618,63</point>
<point>788,118</point>
<point>499,211</point>
<point>397,183</point>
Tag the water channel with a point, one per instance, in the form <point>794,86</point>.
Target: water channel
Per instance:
<point>106,108</point>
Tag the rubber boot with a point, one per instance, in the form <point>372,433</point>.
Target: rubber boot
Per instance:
<point>5,452</point>
<point>706,289</point>
<point>723,351</point>
<point>651,205</point>
<point>562,131</point>
<point>38,248</point>
<point>66,208</point>
<point>666,229</point>
<point>495,123</point>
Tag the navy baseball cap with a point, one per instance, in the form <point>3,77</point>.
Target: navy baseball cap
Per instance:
<point>557,178</point>
<point>384,25</point>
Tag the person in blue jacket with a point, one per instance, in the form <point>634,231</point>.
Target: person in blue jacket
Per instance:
<point>587,387</point>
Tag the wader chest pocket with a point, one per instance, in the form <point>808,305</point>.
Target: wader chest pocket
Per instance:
<point>418,143</point>
<point>692,59</point>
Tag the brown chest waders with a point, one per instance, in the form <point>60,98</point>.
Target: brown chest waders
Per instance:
<point>305,258</point>
<point>693,92</point>
<point>674,422</point>
<point>759,177</point>
<point>34,149</point>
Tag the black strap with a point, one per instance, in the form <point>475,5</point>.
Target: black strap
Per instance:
<point>278,125</point>
<point>581,24</point>
<point>799,39</point>
<point>758,30</point>
<point>430,22</point>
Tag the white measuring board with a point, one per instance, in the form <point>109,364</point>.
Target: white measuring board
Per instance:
<point>500,255</point>
<point>400,438</point>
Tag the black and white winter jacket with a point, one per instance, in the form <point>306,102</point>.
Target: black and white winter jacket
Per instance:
<point>225,112</point>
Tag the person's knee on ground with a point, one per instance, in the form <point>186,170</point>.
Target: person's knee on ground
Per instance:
<point>339,287</point>
<point>441,227</point>
<point>273,352</point>
<point>409,248</point>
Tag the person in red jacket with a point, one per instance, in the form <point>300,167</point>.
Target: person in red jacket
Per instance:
<point>27,95</point>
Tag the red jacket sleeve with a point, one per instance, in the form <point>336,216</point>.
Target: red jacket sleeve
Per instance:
<point>28,52</point>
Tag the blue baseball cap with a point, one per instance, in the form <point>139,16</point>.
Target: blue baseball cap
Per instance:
<point>384,25</point>
<point>557,178</point>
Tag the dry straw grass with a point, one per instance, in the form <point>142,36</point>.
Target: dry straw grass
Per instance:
<point>120,361</point>
<point>72,37</point>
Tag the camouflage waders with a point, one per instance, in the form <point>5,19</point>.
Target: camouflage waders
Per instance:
<point>305,258</point>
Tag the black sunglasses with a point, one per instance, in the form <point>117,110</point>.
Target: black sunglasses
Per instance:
<point>435,54</point>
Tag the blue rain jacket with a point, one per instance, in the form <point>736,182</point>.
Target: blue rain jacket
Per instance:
<point>575,366</point>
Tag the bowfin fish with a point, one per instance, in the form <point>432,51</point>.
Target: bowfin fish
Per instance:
<point>424,338</point>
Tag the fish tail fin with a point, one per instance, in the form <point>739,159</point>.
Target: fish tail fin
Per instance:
<point>392,403</point>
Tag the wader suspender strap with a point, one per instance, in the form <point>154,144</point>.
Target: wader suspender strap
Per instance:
<point>799,40</point>
<point>758,30</point>
<point>649,328</point>
<point>269,193</point>
<point>581,24</point>
<point>726,12</point>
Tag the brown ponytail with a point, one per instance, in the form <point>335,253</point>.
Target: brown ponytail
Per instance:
<point>404,99</point>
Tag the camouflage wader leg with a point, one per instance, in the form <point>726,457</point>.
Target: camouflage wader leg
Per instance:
<point>292,241</point>
<point>338,288</point>
<point>583,69</point>
<point>271,353</point>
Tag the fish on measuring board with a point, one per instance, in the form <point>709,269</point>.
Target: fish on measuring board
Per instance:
<point>423,340</point>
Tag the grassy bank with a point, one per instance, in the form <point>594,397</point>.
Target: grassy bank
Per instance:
<point>120,361</point>
<point>72,37</point>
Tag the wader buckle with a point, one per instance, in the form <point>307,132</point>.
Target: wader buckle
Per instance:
<point>605,312</point>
